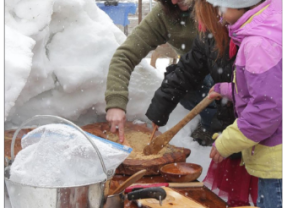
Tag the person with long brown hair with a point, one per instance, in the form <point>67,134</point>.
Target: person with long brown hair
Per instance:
<point>211,53</point>
<point>207,18</point>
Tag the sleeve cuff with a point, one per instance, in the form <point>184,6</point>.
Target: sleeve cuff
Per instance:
<point>224,89</point>
<point>217,88</point>
<point>218,145</point>
<point>116,102</point>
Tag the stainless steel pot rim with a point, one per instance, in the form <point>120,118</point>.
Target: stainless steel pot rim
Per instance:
<point>54,187</point>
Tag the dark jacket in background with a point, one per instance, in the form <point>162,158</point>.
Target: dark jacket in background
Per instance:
<point>188,74</point>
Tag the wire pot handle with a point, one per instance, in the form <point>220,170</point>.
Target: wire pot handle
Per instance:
<point>109,173</point>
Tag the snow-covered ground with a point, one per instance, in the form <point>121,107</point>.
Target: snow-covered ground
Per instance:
<point>56,62</point>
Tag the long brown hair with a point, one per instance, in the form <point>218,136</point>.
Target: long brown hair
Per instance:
<point>208,19</point>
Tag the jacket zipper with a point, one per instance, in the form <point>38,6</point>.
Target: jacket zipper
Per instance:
<point>233,92</point>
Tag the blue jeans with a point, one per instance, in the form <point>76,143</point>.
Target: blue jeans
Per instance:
<point>192,98</point>
<point>269,193</point>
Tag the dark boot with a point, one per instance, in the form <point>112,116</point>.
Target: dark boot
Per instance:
<point>202,136</point>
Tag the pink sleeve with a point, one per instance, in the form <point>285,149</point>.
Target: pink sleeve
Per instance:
<point>225,89</point>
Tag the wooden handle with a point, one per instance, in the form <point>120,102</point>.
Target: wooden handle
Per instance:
<point>153,132</point>
<point>162,140</point>
<point>194,112</point>
<point>135,177</point>
<point>184,185</point>
<point>107,188</point>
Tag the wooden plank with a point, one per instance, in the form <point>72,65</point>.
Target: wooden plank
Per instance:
<point>173,200</point>
<point>201,195</point>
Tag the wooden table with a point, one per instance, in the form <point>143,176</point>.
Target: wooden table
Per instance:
<point>202,195</point>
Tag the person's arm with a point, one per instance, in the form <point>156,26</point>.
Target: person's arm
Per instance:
<point>146,37</point>
<point>186,75</point>
<point>262,116</point>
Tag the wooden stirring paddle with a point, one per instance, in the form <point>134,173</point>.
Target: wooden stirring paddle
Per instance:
<point>134,178</point>
<point>155,128</point>
<point>162,140</point>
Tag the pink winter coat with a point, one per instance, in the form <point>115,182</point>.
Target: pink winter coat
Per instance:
<point>256,91</point>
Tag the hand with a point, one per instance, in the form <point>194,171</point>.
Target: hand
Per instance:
<point>214,95</point>
<point>117,118</point>
<point>215,155</point>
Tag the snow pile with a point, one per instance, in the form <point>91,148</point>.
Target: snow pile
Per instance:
<point>58,155</point>
<point>18,58</point>
<point>74,43</point>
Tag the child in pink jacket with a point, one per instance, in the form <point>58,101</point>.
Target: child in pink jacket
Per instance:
<point>256,91</point>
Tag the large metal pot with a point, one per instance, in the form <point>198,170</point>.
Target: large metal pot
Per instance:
<point>82,196</point>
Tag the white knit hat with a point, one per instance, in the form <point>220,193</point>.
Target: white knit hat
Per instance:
<point>235,4</point>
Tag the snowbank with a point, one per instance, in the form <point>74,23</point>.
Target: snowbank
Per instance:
<point>73,44</point>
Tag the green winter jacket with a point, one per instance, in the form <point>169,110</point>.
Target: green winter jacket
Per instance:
<point>156,29</point>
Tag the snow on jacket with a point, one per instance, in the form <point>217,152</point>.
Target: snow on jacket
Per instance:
<point>256,91</point>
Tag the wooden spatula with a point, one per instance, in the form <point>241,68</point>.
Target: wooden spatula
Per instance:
<point>162,140</point>
<point>155,128</point>
<point>134,178</point>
